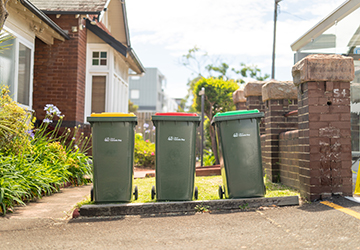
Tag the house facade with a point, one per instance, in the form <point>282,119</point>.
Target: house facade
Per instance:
<point>85,68</point>
<point>26,24</point>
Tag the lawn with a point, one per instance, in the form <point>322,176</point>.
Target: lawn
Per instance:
<point>208,188</point>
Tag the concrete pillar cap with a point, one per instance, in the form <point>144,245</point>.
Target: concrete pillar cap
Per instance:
<point>319,67</point>
<point>253,88</point>
<point>278,90</point>
<point>238,95</point>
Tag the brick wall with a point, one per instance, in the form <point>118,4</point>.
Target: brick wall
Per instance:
<point>324,125</point>
<point>59,73</point>
<point>280,98</point>
<point>288,158</point>
<point>253,95</point>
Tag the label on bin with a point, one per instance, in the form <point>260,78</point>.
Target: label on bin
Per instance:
<point>111,139</point>
<point>235,135</point>
<point>175,138</point>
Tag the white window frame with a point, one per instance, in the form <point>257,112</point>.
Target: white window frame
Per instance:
<point>19,39</point>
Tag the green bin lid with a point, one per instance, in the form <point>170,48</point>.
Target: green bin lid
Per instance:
<point>237,112</point>
<point>237,115</point>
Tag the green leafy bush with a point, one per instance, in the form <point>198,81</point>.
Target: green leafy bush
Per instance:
<point>144,152</point>
<point>37,161</point>
<point>209,158</point>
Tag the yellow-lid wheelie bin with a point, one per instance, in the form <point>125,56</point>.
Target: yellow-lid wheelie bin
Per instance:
<point>113,136</point>
<point>175,156</point>
<point>239,147</point>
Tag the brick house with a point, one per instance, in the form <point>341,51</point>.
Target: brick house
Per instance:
<point>86,68</point>
<point>27,25</point>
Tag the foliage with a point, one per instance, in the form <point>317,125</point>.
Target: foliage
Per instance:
<point>144,152</point>
<point>209,158</point>
<point>132,107</point>
<point>37,161</point>
<point>14,123</point>
<point>218,97</point>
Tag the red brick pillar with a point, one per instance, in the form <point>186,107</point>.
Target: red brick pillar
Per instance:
<point>280,98</point>
<point>239,99</point>
<point>253,95</point>
<point>323,83</point>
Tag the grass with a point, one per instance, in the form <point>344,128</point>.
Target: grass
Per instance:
<point>208,189</point>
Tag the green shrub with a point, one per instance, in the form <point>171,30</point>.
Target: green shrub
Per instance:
<point>37,161</point>
<point>144,152</point>
<point>209,158</point>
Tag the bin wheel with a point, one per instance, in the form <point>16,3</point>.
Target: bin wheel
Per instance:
<point>153,192</point>
<point>136,192</point>
<point>221,192</point>
<point>92,194</point>
<point>196,193</point>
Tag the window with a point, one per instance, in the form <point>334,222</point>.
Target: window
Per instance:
<point>134,94</point>
<point>99,58</point>
<point>16,69</point>
<point>98,94</point>
<point>23,92</point>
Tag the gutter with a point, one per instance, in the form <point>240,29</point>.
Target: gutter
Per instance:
<point>136,60</point>
<point>44,18</point>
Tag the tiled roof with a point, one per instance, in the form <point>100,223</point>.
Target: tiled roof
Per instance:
<point>70,5</point>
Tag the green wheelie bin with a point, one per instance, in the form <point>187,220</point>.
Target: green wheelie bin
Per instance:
<point>113,157</point>
<point>239,148</point>
<point>175,156</point>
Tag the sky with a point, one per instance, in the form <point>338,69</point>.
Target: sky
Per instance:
<point>231,31</point>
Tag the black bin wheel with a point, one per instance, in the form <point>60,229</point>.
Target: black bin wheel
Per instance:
<point>196,193</point>
<point>153,192</point>
<point>92,194</point>
<point>221,192</point>
<point>136,192</point>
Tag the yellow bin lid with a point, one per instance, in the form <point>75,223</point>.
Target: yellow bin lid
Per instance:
<point>112,114</point>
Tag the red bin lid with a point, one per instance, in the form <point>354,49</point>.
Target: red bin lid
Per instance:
<point>177,114</point>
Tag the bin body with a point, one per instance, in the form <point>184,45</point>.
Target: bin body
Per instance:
<point>239,150</point>
<point>175,143</point>
<point>113,156</point>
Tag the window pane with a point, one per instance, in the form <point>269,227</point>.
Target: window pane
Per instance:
<point>24,75</point>
<point>103,62</point>
<point>95,62</point>
<point>7,64</point>
<point>98,94</point>
<point>103,54</point>
<point>134,94</point>
<point>95,54</point>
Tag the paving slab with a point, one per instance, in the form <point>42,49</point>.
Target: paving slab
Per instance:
<point>184,207</point>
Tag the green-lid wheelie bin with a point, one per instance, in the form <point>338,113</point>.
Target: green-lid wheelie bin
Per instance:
<point>113,157</point>
<point>239,147</point>
<point>175,156</point>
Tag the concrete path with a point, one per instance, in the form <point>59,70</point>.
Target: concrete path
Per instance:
<point>57,206</point>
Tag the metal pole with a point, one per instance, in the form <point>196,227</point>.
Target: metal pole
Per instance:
<point>274,40</point>
<point>202,93</point>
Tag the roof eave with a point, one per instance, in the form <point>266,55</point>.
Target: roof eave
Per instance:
<point>118,46</point>
<point>338,14</point>
<point>44,18</point>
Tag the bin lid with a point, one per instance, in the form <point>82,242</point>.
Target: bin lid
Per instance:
<point>237,112</point>
<point>237,115</point>
<point>112,114</point>
<point>112,117</point>
<point>177,114</point>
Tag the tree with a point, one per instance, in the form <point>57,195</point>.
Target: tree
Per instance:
<point>218,97</point>
<point>3,13</point>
